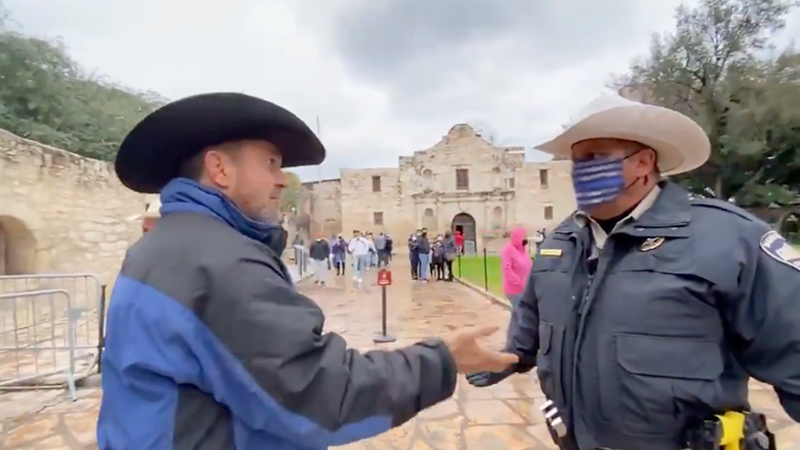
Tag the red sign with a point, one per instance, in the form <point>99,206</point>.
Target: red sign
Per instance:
<point>384,277</point>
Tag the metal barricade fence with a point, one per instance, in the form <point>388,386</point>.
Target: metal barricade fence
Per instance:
<point>49,328</point>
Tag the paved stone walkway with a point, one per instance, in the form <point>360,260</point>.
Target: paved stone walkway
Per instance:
<point>503,417</point>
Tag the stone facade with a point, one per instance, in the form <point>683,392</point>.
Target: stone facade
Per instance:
<point>62,213</point>
<point>461,182</point>
<point>324,206</point>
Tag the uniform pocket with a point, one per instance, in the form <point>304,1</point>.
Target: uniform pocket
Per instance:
<point>548,360</point>
<point>651,373</point>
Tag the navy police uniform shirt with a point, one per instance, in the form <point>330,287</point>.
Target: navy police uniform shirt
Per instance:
<point>689,298</point>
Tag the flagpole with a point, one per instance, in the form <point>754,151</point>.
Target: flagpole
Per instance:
<point>319,178</point>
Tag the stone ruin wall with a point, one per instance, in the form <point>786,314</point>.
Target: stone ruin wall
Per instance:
<point>62,213</point>
<point>324,205</point>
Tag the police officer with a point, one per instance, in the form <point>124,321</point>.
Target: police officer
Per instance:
<point>648,308</point>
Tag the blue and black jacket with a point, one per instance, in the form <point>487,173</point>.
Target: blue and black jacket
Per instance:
<point>210,347</point>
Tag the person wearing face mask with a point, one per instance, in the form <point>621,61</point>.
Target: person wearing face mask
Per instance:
<point>516,265</point>
<point>339,252</point>
<point>360,247</point>
<point>208,343</point>
<point>320,252</point>
<point>648,309</point>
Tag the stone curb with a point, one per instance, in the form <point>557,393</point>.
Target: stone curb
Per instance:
<point>493,298</point>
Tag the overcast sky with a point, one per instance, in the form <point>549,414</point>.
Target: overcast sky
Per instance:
<point>386,78</point>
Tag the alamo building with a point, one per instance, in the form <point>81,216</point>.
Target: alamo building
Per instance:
<point>462,183</point>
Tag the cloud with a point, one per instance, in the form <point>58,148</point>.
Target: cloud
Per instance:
<point>386,78</point>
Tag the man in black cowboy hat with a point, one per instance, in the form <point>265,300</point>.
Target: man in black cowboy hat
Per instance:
<point>209,345</point>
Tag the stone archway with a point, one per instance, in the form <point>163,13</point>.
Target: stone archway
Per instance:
<point>465,223</point>
<point>17,247</point>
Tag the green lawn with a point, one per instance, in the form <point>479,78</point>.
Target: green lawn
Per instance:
<point>472,270</point>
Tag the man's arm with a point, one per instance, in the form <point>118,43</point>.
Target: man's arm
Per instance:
<point>764,321</point>
<point>308,386</point>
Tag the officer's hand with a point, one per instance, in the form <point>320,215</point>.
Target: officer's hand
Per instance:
<point>483,379</point>
<point>471,356</point>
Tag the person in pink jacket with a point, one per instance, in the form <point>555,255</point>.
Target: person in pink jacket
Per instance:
<point>516,265</point>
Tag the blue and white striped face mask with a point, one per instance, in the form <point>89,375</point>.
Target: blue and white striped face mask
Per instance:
<point>598,181</point>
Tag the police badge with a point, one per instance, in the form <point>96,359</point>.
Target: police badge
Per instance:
<point>774,245</point>
<point>651,244</point>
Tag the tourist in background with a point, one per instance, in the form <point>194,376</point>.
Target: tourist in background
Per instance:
<point>459,242</point>
<point>450,253</point>
<point>432,263</point>
<point>516,265</point>
<point>413,254</point>
<point>424,251</point>
<point>389,248</point>
<point>380,247</point>
<point>331,243</point>
<point>373,252</point>
<point>538,238</point>
<point>339,252</point>
<point>437,256</point>
<point>320,253</point>
<point>359,247</point>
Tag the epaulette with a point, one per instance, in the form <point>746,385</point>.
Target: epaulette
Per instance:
<point>568,224</point>
<point>722,205</point>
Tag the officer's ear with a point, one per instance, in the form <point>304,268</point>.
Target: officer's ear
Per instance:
<point>645,162</point>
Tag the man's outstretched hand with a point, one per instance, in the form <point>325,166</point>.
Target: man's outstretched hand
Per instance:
<point>484,379</point>
<point>471,356</point>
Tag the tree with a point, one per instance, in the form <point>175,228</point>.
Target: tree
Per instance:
<point>293,194</point>
<point>715,67</point>
<point>47,97</point>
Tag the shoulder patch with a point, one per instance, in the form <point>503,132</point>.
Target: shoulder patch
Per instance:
<point>722,205</point>
<point>774,245</point>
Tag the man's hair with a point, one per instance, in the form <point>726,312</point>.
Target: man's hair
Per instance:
<point>194,167</point>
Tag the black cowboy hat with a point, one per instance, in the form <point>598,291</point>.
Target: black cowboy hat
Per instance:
<point>152,153</point>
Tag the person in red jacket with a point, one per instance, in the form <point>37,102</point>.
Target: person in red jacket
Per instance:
<point>460,242</point>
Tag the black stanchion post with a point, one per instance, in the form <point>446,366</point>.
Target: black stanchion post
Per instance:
<point>301,267</point>
<point>485,271</point>
<point>101,329</point>
<point>384,280</point>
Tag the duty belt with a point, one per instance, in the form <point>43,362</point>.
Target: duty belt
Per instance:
<point>730,431</point>
<point>556,426</point>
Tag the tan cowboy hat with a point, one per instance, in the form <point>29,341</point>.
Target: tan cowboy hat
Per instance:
<point>679,141</point>
<point>153,211</point>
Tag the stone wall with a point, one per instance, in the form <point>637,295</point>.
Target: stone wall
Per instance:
<point>360,205</point>
<point>534,197</point>
<point>324,201</point>
<point>62,213</point>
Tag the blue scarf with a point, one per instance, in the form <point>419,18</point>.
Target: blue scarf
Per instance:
<point>183,194</point>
